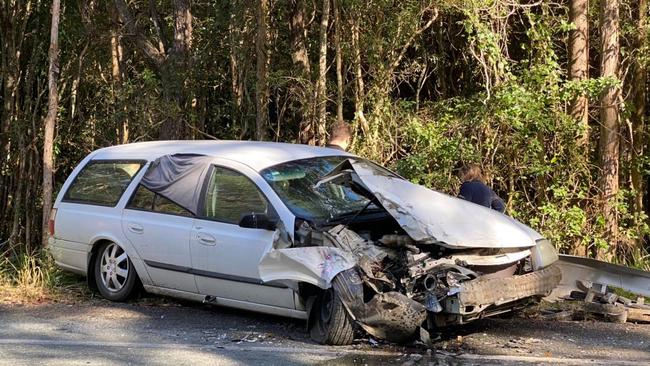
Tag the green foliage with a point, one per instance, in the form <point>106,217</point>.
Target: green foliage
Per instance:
<point>484,82</point>
<point>518,130</point>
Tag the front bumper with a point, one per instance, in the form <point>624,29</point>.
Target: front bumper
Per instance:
<point>491,296</point>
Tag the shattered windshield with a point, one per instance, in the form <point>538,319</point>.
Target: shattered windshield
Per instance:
<point>295,181</point>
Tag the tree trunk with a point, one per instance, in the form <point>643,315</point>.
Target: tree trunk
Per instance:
<point>50,119</point>
<point>77,80</point>
<point>609,119</point>
<point>18,192</point>
<point>339,63</point>
<point>359,92</point>
<point>262,84</point>
<point>182,29</point>
<point>170,66</point>
<point>321,85</point>
<point>31,187</point>
<point>236,85</point>
<point>302,67</point>
<point>579,63</point>
<point>175,86</point>
<point>299,54</point>
<point>639,81</point>
<point>9,79</point>
<point>117,77</point>
<point>157,24</point>
<point>154,55</point>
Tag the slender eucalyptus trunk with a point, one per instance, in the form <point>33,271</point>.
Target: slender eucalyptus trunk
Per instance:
<point>175,82</point>
<point>359,92</point>
<point>579,63</point>
<point>339,63</point>
<point>18,193</point>
<point>262,84</point>
<point>117,78</point>
<point>10,76</point>
<point>302,68</point>
<point>321,85</point>
<point>50,119</point>
<point>639,95</point>
<point>609,120</point>
<point>236,83</point>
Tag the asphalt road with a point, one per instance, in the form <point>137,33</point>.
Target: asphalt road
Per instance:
<point>155,332</point>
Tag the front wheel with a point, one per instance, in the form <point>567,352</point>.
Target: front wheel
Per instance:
<point>331,323</point>
<point>114,273</point>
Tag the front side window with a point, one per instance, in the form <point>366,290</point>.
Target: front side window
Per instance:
<point>146,200</point>
<point>231,195</point>
<point>102,182</point>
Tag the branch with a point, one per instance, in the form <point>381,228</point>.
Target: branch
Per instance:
<point>415,34</point>
<point>154,55</point>
<point>163,43</point>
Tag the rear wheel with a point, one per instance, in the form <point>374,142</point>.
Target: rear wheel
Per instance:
<point>114,273</point>
<point>331,324</point>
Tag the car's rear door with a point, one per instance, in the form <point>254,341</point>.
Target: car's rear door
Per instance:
<point>225,256</point>
<point>160,231</point>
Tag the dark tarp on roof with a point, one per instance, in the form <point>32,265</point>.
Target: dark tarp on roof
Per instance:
<point>178,178</point>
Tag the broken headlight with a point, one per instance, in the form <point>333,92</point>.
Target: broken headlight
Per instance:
<point>543,254</point>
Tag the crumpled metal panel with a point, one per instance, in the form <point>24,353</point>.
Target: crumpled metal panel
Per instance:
<point>477,258</point>
<point>393,317</point>
<point>315,265</point>
<point>423,263</point>
<point>390,315</point>
<point>349,241</point>
<point>431,217</point>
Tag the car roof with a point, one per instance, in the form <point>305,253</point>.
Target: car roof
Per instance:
<point>256,154</point>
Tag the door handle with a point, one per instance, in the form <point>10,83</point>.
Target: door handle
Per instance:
<point>136,228</point>
<point>206,239</point>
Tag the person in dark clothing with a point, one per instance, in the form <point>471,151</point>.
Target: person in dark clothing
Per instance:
<point>475,190</point>
<point>340,136</point>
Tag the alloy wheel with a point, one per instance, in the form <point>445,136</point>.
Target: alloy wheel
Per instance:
<point>114,267</point>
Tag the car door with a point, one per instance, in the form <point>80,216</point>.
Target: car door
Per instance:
<point>160,231</point>
<point>225,256</point>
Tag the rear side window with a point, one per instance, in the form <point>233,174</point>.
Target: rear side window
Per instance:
<point>102,182</point>
<point>146,200</point>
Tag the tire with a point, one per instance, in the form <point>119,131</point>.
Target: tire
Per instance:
<point>115,276</point>
<point>331,324</point>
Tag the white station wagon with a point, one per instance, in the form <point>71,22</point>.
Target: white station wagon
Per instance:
<point>293,230</point>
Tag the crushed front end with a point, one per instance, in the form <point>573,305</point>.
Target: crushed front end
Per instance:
<point>393,286</point>
<point>413,258</point>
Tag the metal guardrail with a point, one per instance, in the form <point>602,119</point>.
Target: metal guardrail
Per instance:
<point>576,268</point>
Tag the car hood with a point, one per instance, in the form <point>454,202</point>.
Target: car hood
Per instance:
<point>431,217</point>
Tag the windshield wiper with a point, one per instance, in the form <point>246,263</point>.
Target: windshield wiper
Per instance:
<point>345,215</point>
<point>357,213</point>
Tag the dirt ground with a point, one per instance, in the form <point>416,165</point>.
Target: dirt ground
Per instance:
<point>154,330</point>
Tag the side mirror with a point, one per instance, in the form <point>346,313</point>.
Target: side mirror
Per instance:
<point>257,221</point>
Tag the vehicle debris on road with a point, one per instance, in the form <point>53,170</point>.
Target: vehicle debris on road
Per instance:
<point>596,289</point>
